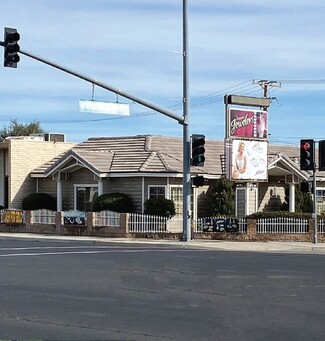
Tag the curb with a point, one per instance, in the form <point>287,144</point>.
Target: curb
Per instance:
<point>218,245</point>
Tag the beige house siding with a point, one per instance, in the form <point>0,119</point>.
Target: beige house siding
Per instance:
<point>130,186</point>
<point>202,201</point>
<point>271,195</point>
<point>48,186</point>
<point>24,157</point>
<point>252,199</point>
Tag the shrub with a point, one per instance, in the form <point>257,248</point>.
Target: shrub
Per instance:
<point>38,201</point>
<point>117,202</point>
<point>160,206</point>
<point>277,214</point>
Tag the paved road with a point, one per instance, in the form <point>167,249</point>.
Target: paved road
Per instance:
<point>60,289</point>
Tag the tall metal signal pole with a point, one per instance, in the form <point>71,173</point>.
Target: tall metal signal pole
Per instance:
<point>186,134</point>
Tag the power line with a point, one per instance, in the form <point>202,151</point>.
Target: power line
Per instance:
<point>218,96</point>
<point>302,81</point>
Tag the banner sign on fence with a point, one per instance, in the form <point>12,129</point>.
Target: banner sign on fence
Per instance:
<point>74,217</point>
<point>13,216</point>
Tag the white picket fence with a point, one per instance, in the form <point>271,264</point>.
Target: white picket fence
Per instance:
<point>142,223</point>
<point>107,218</point>
<point>43,216</point>
<point>321,226</point>
<point>282,225</point>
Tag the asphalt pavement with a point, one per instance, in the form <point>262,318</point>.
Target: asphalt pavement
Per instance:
<point>270,246</point>
<point>86,288</point>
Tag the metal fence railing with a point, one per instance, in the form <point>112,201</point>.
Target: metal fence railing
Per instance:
<point>282,225</point>
<point>43,216</point>
<point>143,223</point>
<point>107,218</point>
<point>321,225</point>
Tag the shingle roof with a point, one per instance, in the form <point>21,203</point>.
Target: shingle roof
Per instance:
<point>148,154</point>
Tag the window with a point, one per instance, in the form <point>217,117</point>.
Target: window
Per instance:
<point>84,196</point>
<point>176,194</point>
<point>157,191</point>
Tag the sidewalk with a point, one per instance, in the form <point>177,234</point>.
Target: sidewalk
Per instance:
<point>295,247</point>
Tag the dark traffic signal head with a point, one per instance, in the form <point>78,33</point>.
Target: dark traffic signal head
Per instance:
<point>305,187</point>
<point>321,155</point>
<point>11,47</point>
<point>198,150</point>
<point>307,160</point>
<point>198,181</point>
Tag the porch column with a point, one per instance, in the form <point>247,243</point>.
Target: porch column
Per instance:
<point>292,198</point>
<point>100,187</point>
<point>59,195</point>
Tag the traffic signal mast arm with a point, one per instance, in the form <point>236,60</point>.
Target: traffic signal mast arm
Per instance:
<point>180,119</point>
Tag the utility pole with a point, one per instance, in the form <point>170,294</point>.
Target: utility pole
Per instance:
<point>265,84</point>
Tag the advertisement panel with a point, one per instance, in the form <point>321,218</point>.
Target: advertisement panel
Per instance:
<point>247,123</point>
<point>13,216</point>
<point>248,160</point>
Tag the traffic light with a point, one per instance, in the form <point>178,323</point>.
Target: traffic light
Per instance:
<point>198,150</point>
<point>11,47</point>
<point>198,181</point>
<point>307,160</point>
<point>321,155</point>
<point>305,187</point>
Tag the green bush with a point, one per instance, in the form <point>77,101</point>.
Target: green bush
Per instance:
<point>117,202</point>
<point>38,201</point>
<point>277,214</point>
<point>159,206</point>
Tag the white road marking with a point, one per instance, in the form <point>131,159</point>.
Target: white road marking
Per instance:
<point>68,252</point>
<point>56,247</point>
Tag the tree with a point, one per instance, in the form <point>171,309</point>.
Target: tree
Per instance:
<point>19,129</point>
<point>222,198</point>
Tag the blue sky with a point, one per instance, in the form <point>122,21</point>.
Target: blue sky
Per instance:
<point>136,45</point>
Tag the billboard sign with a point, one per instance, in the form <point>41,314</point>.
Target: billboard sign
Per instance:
<point>247,123</point>
<point>248,160</point>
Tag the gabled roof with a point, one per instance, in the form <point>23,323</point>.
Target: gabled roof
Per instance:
<point>282,164</point>
<point>109,155</point>
<point>152,154</point>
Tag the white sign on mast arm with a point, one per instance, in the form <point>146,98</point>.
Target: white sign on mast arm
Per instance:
<point>100,107</point>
